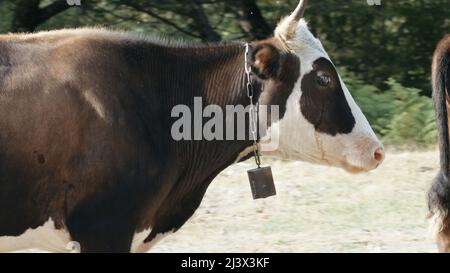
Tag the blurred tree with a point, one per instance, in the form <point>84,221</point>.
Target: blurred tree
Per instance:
<point>206,31</point>
<point>198,25</point>
<point>28,14</point>
<point>251,21</point>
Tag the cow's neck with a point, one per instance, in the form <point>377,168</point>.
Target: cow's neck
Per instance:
<point>177,76</point>
<point>220,76</point>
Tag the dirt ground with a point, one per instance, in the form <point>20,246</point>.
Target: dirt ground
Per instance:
<point>317,209</point>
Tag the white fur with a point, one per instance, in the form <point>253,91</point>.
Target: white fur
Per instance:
<point>49,239</point>
<point>245,152</point>
<point>297,137</point>
<point>44,238</point>
<point>436,223</point>
<point>138,241</point>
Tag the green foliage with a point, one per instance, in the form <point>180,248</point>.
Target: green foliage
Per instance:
<point>401,116</point>
<point>6,15</point>
<point>412,119</point>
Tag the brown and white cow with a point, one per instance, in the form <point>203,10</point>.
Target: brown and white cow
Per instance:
<point>439,194</point>
<point>86,151</point>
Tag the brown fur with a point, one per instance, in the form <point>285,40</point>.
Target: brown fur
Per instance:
<point>85,130</point>
<point>439,193</point>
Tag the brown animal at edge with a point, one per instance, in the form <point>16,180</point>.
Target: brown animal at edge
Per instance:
<point>439,193</point>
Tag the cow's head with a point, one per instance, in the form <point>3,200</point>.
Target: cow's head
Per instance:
<point>319,121</point>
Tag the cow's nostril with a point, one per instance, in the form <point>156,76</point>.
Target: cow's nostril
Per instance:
<point>379,154</point>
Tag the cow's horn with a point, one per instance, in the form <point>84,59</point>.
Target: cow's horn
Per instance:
<point>286,28</point>
<point>299,10</point>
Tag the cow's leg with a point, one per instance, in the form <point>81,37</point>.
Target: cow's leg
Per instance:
<point>443,237</point>
<point>103,227</point>
<point>440,225</point>
<point>102,235</point>
<point>172,214</point>
<point>439,208</point>
<point>165,223</point>
<point>147,245</point>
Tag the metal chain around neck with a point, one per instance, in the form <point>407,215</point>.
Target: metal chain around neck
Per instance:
<point>252,112</point>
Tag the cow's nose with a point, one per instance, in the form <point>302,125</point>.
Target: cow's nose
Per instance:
<point>378,154</point>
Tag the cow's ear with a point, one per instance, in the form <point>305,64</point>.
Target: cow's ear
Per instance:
<point>265,61</point>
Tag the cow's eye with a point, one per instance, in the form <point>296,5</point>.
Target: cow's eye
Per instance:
<point>323,79</point>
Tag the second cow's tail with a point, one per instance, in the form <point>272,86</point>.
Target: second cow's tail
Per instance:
<point>439,194</point>
<point>441,86</point>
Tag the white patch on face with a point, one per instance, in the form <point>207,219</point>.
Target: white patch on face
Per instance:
<point>298,139</point>
<point>138,245</point>
<point>43,238</point>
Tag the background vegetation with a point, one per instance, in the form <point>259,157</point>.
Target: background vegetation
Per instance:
<point>383,52</point>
